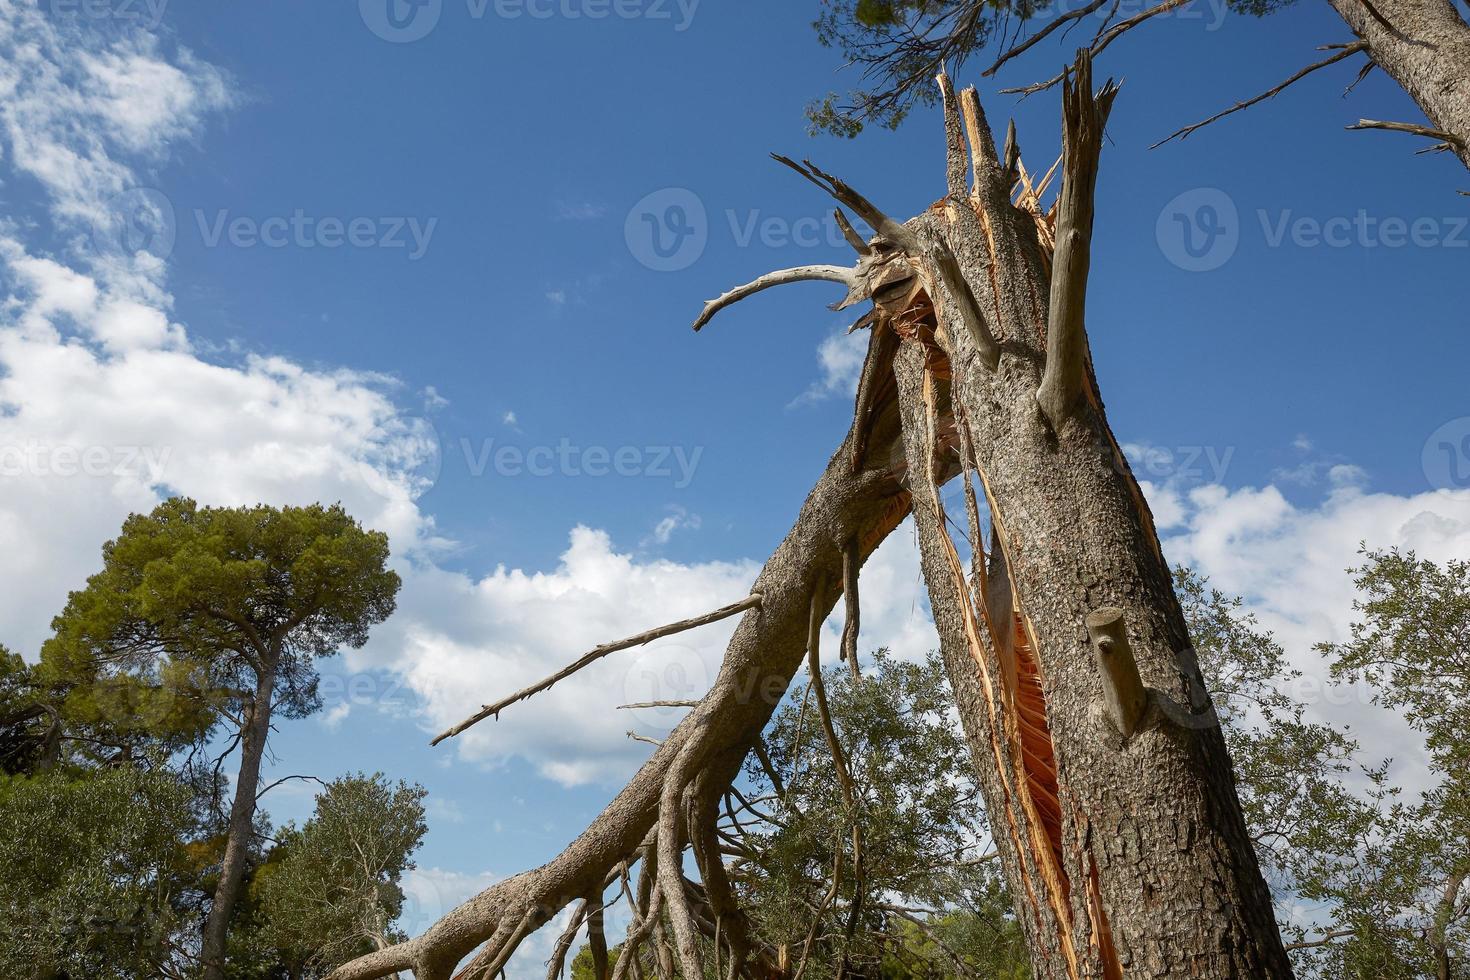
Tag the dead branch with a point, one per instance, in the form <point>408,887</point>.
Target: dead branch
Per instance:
<point>850,624</point>
<point>658,704</point>
<point>801,273</point>
<point>597,937</point>
<point>1084,117</point>
<point>882,343</point>
<point>557,963</point>
<point>1104,39</point>
<point>844,774</point>
<point>1347,51</point>
<point>1413,129</point>
<point>725,612</point>
<point>1042,35</point>
<point>850,233</point>
<point>888,229</point>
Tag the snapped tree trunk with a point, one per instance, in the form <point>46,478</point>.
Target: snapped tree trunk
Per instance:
<point>1105,775</point>
<point>1424,45</point>
<point>240,827</point>
<point>1108,787</point>
<point>1126,851</point>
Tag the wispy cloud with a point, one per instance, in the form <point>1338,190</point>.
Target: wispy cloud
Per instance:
<point>579,211</point>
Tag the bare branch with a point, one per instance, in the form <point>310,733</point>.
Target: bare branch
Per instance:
<point>1346,52</point>
<point>284,779</point>
<point>850,625</point>
<point>659,704</point>
<point>850,233</point>
<point>1413,129</point>
<point>888,229</point>
<point>1042,34</point>
<point>1106,38</point>
<point>802,273</point>
<point>555,965</point>
<point>1084,117</point>
<point>643,738</point>
<point>749,602</point>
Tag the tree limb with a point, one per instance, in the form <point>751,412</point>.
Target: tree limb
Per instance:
<point>749,602</point>
<point>801,273</point>
<point>1345,52</point>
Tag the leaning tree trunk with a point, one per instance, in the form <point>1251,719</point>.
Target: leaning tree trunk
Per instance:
<point>1425,46</point>
<point>859,499</point>
<point>241,824</point>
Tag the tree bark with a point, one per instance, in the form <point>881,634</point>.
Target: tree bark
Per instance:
<point>1424,45</point>
<point>241,824</point>
<point>1126,856</point>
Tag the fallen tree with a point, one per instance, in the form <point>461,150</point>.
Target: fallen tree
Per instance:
<point>1105,777</point>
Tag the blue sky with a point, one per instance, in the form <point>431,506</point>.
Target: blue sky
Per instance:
<point>418,277</point>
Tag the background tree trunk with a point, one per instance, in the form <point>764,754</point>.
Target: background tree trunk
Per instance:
<point>1424,45</point>
<point>241,825</point>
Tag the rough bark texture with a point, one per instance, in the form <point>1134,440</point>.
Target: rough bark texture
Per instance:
<point>1141,865</point>
<point>1425,46</point>
<point>241,825</point>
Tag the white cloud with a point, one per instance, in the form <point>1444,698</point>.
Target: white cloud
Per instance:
<point>840,357</point>
<point>579,211</point>
<point>1290,562</point>
<point>677,519</point>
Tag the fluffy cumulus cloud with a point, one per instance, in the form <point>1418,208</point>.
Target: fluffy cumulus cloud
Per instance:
<point>1290,563</point>
<point>105,405</point>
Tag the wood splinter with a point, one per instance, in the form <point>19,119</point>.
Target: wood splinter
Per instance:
<point>1124,696</point>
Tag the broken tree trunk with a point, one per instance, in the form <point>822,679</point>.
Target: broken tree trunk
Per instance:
<point>1126,852</point>
<point>1111,797</point>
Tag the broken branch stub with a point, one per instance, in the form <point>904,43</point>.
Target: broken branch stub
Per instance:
<point>1084,117</point>
<point>1124,696</point>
